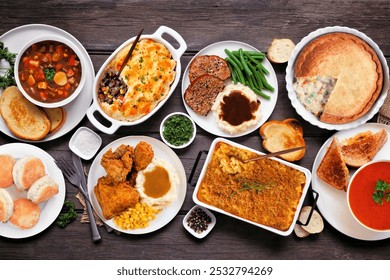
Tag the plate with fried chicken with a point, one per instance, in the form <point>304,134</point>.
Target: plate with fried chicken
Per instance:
<point>339,157</point>
<point>137,184</point>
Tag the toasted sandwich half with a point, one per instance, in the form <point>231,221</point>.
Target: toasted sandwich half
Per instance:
<point>333,169</point>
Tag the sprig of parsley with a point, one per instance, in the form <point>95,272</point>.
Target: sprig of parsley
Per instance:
<point>67,217</point>
<point>8,78</point>
<point>381,192</point>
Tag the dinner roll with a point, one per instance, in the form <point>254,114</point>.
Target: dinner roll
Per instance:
<point>7,163</point>
<point>26,171</point>
<point>26,213</point>
<point>6,205</point>
<point>42,189</point>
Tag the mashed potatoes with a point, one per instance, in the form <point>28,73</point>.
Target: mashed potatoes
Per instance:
<point>157,184</point>
<point>236,108</point>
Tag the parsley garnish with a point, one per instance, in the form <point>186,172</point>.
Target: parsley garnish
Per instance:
<point>381,192</point>
<point>178,130</point>
<point>249,184</point>
<point>66,218</point>
<point>8,78</point>
<point>49,74</point>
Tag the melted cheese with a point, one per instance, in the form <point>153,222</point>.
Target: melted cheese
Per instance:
<point>148,75</point>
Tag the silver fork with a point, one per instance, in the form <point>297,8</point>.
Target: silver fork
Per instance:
<point>74,177</point>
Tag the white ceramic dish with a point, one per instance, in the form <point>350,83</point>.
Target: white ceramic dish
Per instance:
<point>49,209</point>
<point>350,207</point>
<point>297,167</point>
<point>209,227</point>
<point>161,151</point>
<point>290,79</point>
<point>75,111</point>
<point>85,143</point>
<point>66,42</point>
<point>162,130</point>
<point>208,122</point>
<point>333,203</point>
<point>176,54</point>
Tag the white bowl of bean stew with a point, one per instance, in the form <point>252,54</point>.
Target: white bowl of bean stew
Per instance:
<point>49,71</point>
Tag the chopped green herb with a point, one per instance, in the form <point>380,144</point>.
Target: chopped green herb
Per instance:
<point>8,78</point>
<point>67,217</point>
<point>178,130</point>
<point>249,184</point>
<point>381,192</point>
<point>49,74</point>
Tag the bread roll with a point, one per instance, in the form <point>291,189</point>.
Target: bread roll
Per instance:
<point>26,171</point>
<point>6,205</point>
<point>42,189</point>
<point>26,213</point>
<point>7,163</point>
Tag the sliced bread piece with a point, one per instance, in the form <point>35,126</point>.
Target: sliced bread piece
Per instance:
<point>363,147</point>
<point>24,119</point>
<point>280,50</point>
<point>333,169</point>
<point>56,117</point>
<point>283,135</point>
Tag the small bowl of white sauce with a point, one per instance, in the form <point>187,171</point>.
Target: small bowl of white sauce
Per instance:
<point>85,143</point>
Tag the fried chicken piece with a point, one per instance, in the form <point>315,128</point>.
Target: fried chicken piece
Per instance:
<point>143,155</point>
<point>118,163</point>
<point>115,198</point>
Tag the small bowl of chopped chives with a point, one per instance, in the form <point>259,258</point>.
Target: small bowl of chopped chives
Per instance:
<point>177,130</point>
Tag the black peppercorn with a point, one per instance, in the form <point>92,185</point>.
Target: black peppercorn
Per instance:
<point>198,220</point>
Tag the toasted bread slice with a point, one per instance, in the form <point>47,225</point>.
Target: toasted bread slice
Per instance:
<point>333,169</point>
<point>283,135</point>
<point>363,147</point>
<point>280,50</point>
<point>56,117</point>
<point>24,119</point>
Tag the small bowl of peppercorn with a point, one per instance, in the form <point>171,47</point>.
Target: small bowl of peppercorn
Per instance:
<point>177,130</point>
<point>199,221</point>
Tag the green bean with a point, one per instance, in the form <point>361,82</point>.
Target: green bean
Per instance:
<point>250,53</point>
<point>242,59</point>
<point>233,74</point>
<point>262,94</point>
<point>240,76</point>
<point>263,69</point>
<point>266,84</point>
<point>236,60</point>
<point>256,79</point>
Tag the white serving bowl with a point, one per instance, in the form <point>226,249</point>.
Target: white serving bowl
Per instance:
<point>209,227</point>
<point>369,204</point>
<point>76,50</point>
<point>162,127</point>
<point>176,55</point>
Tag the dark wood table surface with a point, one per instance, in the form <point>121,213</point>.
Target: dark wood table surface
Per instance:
<point>101,26</point>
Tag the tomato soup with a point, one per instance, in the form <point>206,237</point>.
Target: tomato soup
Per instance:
<point>362,204</point>
<point>49,71</point>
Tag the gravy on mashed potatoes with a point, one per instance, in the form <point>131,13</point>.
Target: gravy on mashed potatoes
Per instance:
<point>157,184</point>
<point>236,108</point>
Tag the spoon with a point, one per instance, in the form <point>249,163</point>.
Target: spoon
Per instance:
<point>130,51</point>
<point>275,154</point>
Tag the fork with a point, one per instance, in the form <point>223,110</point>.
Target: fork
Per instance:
<point>74,177</point>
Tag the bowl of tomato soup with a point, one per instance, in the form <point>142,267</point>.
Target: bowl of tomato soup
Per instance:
<point>369,195</point>
<point>49,71</point>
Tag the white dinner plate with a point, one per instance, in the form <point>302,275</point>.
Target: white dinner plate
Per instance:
<point>76,110</point>
<point>290,79</point>
<point>161,151</point>
<point>332,202</point>
<point>208,122</point>
<point>49,209</point>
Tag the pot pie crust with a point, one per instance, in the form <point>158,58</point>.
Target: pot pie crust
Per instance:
<point>355,66</point>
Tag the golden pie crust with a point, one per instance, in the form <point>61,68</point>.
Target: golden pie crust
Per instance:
<point>356,67</point>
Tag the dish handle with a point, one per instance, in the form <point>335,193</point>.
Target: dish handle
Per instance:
<point>90,114</point>
<point>195,167</point>
<point>165,29</point>
<point>315,195</point>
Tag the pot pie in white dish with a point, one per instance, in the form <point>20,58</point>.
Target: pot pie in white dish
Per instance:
<point>337,78</point>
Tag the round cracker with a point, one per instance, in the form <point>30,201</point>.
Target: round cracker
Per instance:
<point>300,231</point>
<point>316,224</point>
<point>56,116</point>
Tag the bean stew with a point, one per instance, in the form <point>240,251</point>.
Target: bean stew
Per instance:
<point>49,71</point>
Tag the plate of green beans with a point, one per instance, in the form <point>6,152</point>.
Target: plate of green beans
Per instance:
<point>248,66</point>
